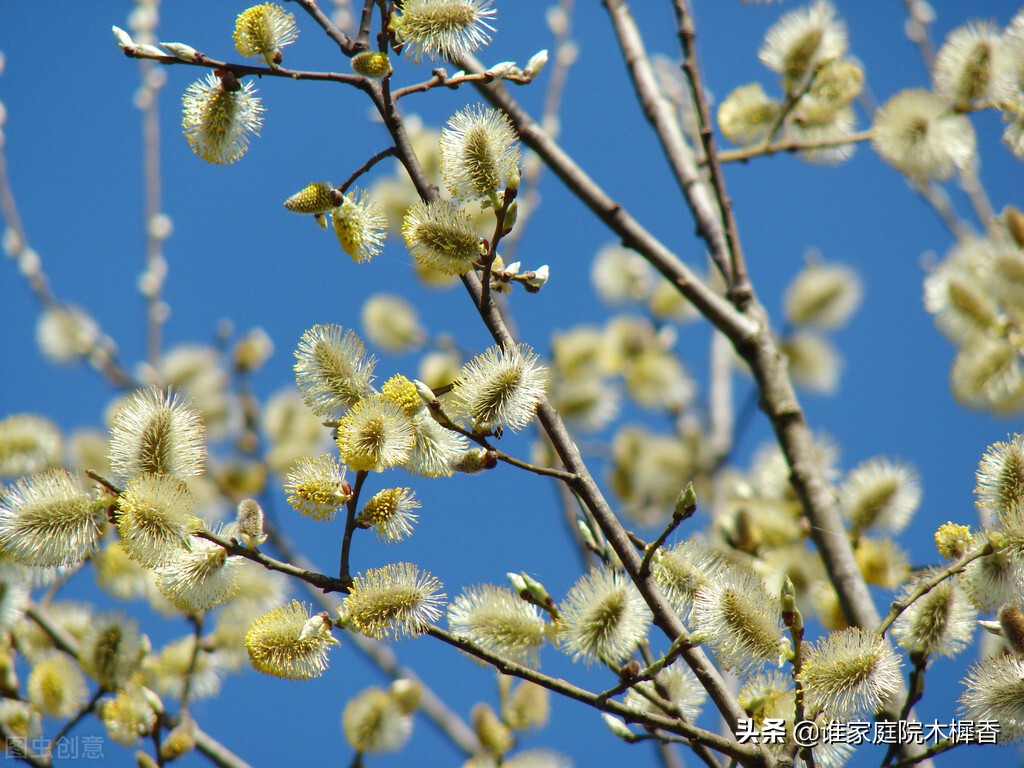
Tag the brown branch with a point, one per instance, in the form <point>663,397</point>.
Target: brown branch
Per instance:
<point>240,70</point>
<point>739,287</point>
<point>389,152</point>
<point>345,43</point>
<point>790,145</point>
<point>102,354</point>
<point>745,754</point>
<point>681,158</point>
<point>927,586</point>
<point>447,721</point>
<point>318,580</point>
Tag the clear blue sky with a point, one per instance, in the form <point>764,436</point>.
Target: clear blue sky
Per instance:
<point>73,147</point>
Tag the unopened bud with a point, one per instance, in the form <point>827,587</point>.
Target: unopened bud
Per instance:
<point>617,727</point>
<point>426,393</point>
<point>317,626</point>
<point>313,198</point>
<point>587,535</point>
<point>686,503</point>
<point>538,279</point>
<point>1014,221</point>
<point>182,51</point>
<point>518,583</point>
<point>501,69</point>
<point>150,51</point>
<point>511,216</point>
<point>536,63</point>
<point>1011,621</point>
<point>630,670</point>
<point>124,40</point>
<point>495,736</point>
<point>407,694</point>
<point>536,590</point>
<point>179,742</point>
<point>474,460</point>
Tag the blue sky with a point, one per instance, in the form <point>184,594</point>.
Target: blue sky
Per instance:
<point>73,146</point>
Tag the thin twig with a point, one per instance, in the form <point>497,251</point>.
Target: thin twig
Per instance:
<point>680,156</point>
<point>928,585</point>
<point>743,753</point>
<point>346,44</point>
<point>156,266</point>
<point>384,658</point>
<point>344,572</point>
<point>318,580</point>
<point>739,287</point>
<point>240,70</point>
<point>791,145</point>
<point>389,152</point>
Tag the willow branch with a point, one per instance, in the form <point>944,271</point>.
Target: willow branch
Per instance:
<point>745,754</point>
<point>938,199</point>
<point>584,485</point>
<point>740,285</point>
<point>713,306</point>
<point>240,70</point>
<point>102,351</point>
<point>156,266</point>
<point>447,721</point>
<point>791,145</point>
<point>749,333</point>
<point>344,42</point>
<point>928,585</point>
<point>389,152</point>
<point>681,158</point>
<point>217,753</point>
<point>311,577</point>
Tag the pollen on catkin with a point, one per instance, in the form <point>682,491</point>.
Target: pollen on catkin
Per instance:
<point>360,226</point>
<point>880,494</point>
<point>199,578</point>
<point>440,236</point>
<point>920,135</point>
<point>390,513</point>
<point>316,486</point>
<point>802,40</point>
<point>375,434</point>
<point>372,64</point>
<point>111,650</point>
<point>373,721</point>
<point>218,117</point>
<point>155,518</point>
<point>443,28</point>
<point>28,444</point>
<point>56,686</point>
<point>738,619</point>
<point>278,646</point>
<point>313,198</point>
<point>398,599</point>
<point>993,687</point>
<point>941,622</point>
<point>263,30</point>
<point>479,153</point>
